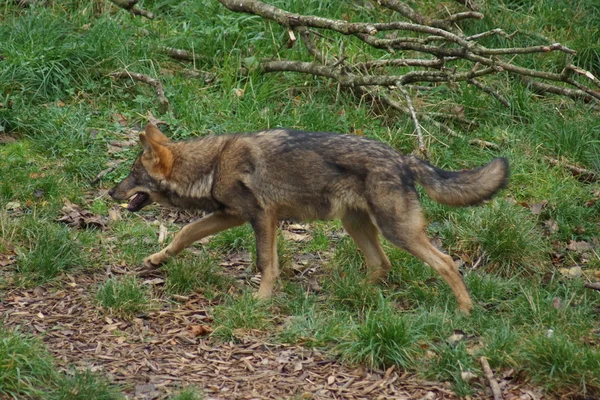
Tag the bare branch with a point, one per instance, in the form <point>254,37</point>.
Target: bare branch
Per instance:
<point>496,31</point>
<point>347,79</point>
<point>491,92</point>
<point>595,286</point>
<point>543,88</point>
<point>489,374</point>
<point>422,149</point>
<point>582,174</point>
<point>130,5</point>
<point>155,83</point>
<point>179,54</point>
<point>286,18</point>
<point>403,62</point>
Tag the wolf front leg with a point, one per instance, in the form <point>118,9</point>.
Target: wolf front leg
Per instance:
<point>265,231</point>
<point>206,226</point>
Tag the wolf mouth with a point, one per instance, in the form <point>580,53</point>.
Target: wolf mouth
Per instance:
<point>139,201</point>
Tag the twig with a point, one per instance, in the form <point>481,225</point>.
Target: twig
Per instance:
<point>595,286</point>
<point>496,392</point>
<point>491,92</point>
<point>179,54</point>
<point>544,88</point>
<point>105,172</point>
<point>425,117</point>
<point>422,149</point>
<point>496,31</point>
<point>582,174</point>
<point>130,5</point>
<point>347,79</point>
<point>155,83</point>
<point>469,4</point>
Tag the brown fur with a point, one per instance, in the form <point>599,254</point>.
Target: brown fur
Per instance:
<point>263,177</point>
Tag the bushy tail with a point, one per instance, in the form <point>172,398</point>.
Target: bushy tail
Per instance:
<point>462,188</point>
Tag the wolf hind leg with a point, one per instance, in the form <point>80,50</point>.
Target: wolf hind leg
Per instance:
<point>399,218</point>
<point>206,226</point>
<point>265,231</point>
<point>365,234</point>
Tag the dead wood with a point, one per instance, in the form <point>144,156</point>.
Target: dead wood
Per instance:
<point>595,286</point>
<point>489,375</point>
<point>434,45</point>
<point>582,174</point>
<point>155,83</point>
<point>131,6</point>
<point>179,54</point>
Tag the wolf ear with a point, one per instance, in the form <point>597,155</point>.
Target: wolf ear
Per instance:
<point>157,158</point>
<point>155,134</point>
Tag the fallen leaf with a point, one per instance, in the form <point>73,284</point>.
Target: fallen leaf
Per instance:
<point>456,336</point>
<point>76,217</point>
<point>295,237</point>
<point>199,330</point>
<point>13,206</point>
<point>573,272</point>
<point>7,259</point>
<point>537,208</point>
<point>162,233</point>
<point>579,246</point>
<point>155,121</point>
<point>468,376</point>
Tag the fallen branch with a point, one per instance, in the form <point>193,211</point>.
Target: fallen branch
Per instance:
<point>130,5</point>
<point>179,54</point>
<point>385,99</point>
<point>496,392</point>
<point>595,286</point>
<point>436,50</point>
<point>491,92</point>
<point>582,174</point>
<point>422,149</point>
<point>155,83</point>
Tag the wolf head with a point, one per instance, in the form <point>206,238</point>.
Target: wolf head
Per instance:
<point>145,183</point>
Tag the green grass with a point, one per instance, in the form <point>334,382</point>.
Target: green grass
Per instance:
<point>51,249</point>
<point>195,274</point>
<point>63,110</point>
<point>383,339</point>
<point>240,315</point>
<point>28,371</point>
<point>188,393</point>
<point>126,295</point>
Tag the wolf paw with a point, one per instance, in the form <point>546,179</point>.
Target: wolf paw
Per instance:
<point>154,260</point>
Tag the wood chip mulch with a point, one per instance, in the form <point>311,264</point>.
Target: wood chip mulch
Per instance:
<point>155,355</point>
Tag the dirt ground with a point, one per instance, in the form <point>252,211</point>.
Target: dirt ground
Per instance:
<point>155,355</point>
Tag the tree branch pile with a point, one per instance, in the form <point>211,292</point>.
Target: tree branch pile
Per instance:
<point>436,50</point>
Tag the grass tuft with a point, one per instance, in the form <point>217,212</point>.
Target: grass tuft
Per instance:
<point>505,234</point>
<point>86,385</point>
<point>26,366</point>
<point>240,314</point>
<point>383,339</point>
<point>561,365</point>
<point>124,295</point>
<point>52,249</point>
<point>188,275</point>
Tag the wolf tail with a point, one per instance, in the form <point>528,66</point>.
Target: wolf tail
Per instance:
<point>461,188</point>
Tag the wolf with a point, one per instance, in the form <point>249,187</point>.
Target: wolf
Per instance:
<point>263,177</point>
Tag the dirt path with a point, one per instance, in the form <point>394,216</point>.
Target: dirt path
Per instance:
<point>155,355</point>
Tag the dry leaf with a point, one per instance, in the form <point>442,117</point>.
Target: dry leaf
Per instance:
<point>162,233</point>
<point>295,237</point>
<point>75,217</point>
<point>199,330</point>
<point>579,246</point>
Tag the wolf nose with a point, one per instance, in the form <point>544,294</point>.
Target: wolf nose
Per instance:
<point>111,192</point>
